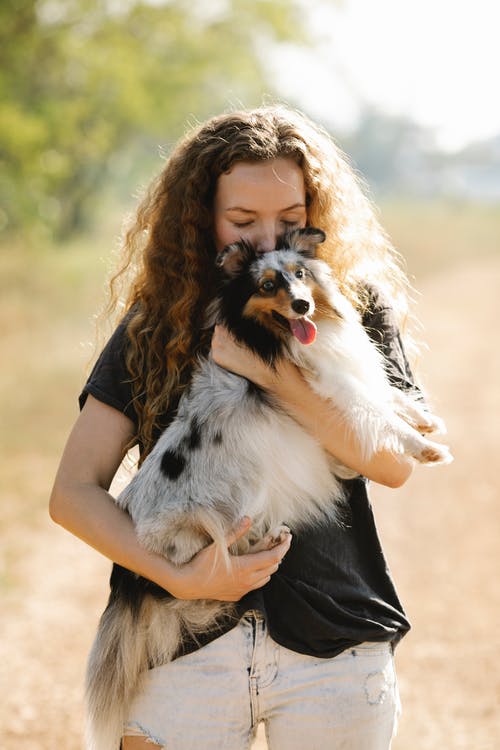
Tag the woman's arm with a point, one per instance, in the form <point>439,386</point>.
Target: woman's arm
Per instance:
<point>80,502</point>
<point>317,415</point>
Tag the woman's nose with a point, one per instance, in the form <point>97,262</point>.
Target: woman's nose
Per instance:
<point>266,240</point>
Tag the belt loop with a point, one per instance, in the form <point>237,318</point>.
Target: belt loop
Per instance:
<point>253,615</point>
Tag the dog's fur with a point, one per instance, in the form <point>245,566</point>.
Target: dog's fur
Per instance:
<point>232,451</point>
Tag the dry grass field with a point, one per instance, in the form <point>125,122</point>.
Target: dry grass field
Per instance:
<point>440,531</point>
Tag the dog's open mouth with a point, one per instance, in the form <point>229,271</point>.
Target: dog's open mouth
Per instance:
<point>302,328</point>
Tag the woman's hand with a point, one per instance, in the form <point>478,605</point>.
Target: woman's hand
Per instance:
<point>231,355</point>
<point>208,576</point>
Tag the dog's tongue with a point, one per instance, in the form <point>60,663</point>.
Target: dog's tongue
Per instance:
<point>303,329</point>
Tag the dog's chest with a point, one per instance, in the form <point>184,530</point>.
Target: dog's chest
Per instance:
<point>243,453</point>
<point>341,359</point>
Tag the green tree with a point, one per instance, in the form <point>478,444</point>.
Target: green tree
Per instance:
<point>83,81</point>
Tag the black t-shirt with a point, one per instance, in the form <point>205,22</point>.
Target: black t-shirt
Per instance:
<point>333,588</point>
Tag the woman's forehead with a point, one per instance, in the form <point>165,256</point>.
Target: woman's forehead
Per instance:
<point>279,179</point>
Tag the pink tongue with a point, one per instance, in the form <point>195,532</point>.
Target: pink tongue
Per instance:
<point>303,329</point>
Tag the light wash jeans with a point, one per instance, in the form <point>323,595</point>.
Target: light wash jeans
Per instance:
<point>214,698</point>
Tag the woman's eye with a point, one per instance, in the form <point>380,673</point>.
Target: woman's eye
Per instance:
<point>267,286</point>
<point>289,224</point>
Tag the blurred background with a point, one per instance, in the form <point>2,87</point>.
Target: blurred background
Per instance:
<point>93,95</point>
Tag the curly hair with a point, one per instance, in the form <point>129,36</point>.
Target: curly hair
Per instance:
<point>167,267</point>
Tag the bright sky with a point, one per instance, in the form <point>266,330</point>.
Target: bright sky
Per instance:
<point>436,61</point>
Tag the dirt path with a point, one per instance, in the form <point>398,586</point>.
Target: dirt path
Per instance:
<point>440,533</point>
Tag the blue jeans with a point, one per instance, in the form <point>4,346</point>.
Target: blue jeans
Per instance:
<point>214,698</point>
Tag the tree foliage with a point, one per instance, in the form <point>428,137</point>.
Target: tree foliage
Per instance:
<point>84,81</point>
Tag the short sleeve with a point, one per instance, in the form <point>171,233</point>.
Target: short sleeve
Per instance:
<point>110,380</point>
<point>380,324</point>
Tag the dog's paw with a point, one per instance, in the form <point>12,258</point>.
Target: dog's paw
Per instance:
<point>278,535</point>
<point>429,423</point>
<point>271,539</point>
<point>434,454</point>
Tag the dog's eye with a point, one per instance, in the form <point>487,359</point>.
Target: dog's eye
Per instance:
<point>300,273</point>
<point>267,286</point>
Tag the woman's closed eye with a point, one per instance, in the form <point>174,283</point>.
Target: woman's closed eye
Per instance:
<point>241,224</point>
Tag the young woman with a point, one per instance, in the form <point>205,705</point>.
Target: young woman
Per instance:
<point>312,655</point>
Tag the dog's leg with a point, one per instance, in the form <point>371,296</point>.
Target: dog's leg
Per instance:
<point>416,414</point>
<point>423,450</point>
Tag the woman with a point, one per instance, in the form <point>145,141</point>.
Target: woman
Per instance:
<point>312,655</point>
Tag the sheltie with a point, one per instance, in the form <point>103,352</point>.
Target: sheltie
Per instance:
<point>233,451</point>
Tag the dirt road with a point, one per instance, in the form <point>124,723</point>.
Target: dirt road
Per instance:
<point>441,535</point>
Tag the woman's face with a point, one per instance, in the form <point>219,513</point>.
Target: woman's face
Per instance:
<point>258,201</point>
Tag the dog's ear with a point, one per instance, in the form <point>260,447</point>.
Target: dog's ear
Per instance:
<point>306,240</point>
<point>233,257</point>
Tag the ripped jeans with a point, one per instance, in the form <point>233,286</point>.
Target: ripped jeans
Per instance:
<point>214,698</point>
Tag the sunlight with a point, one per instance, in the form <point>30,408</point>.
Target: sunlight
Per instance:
<point>434,61</point>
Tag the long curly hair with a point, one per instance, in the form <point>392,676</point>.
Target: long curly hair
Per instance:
<point>167,268</point>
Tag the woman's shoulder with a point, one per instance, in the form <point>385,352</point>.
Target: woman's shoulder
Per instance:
<point>110,380</point>
<point>380,322</point>
<point>377,312</point>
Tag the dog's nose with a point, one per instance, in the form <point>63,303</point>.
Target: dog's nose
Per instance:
<point>300,306</point>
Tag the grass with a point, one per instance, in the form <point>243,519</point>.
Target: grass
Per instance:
<point>435,235</point>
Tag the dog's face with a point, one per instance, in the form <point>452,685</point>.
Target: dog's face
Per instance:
<point>283,300</point>
<point>278,289</point>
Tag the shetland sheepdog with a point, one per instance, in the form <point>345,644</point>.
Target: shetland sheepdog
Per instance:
<point>232,451</point>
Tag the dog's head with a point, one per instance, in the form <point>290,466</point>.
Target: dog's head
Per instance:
<point>236,257</point>
<point>273,295</point>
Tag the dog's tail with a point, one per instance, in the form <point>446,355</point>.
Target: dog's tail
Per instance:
<point>117,659</point>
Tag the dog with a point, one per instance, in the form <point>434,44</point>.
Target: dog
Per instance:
<point>233,451</point>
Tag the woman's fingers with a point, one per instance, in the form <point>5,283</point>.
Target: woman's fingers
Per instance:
<point>239,531</point>
<point>208,576</point>
<point>252,571</point>
<point>261,582</point>
<point>258,560</point>
<point>268,558</point>
<point>237,358</point>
